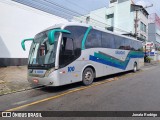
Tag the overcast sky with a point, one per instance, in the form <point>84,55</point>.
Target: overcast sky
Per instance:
<point>84,6</point>
<point>89,5</point>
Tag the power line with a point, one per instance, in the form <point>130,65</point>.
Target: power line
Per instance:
<point>68,14</point>
<point>82,15</point>
<point>62,11</point>
<point>155,4</point>
<point>86,10</point>
<point>45,8</point>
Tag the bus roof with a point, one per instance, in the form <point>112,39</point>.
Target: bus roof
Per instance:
<point>63,25</point>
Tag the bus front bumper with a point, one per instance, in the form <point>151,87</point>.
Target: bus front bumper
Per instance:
<point>37,81</point>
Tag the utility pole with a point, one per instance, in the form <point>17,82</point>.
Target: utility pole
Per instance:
<point>136,19</point>
<point>136,23</point>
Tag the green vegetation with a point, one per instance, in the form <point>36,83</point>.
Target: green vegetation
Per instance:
<point>147,59</point>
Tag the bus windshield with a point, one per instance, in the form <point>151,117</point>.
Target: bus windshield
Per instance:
<point>41,52</point>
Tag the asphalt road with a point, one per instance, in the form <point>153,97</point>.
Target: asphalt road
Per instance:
<point>122,92</point>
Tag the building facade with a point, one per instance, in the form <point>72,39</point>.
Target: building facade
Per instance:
<point>19,22</point>
<point>154,30</point>
<point>122,16</point>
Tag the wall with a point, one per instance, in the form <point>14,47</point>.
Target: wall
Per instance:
<point>151,32</point>
<point>123,17</point>
<point>157,33</point>
<point>98,17</point>
<point>18,22</point>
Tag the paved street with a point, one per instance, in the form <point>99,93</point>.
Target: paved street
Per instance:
<point>123,92</point>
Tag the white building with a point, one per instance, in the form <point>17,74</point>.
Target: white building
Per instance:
<point>120,17</point>
<point>154,29</point>
<point>154,35</point>
<point>18,22</point>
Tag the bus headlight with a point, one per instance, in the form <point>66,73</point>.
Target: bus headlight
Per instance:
<point>49,72</point>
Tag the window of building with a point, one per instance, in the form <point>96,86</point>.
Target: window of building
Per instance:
<point>143,37</point>
<point>143,27</point>
<point>110,28</point>
<point>109,16</point>
<point>112,1</point>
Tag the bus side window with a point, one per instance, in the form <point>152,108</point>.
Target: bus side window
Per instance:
<point>66,51</point>
<point>119,42</point>
<point>93,39</point>
<point>134,45</point>
<point>67,46</point>
<point>108,40</point>
<point>127,44</point>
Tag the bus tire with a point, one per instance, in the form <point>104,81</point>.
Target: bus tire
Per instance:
<point>88,76</point>
<point>135,67</point>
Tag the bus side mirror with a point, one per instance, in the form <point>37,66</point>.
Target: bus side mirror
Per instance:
<point>51,35</point>
<point>23,43</point>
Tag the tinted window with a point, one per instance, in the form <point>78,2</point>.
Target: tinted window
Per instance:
<point>77,33</point>
<point>133,45</point>
<point>107,40</point>
<point>119,42</point>
<point>140,47</point>
<point>93,39</point>
<point>67,44</point>
<point>137,46</point>
<point>66,52</point>
<point>127,44</point>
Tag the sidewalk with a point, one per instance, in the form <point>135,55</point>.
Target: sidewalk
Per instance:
<point>151,63</point>
<point>13,78</point>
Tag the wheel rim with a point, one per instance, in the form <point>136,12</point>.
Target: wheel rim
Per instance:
<point>88,76</point>
<point>135,67</point>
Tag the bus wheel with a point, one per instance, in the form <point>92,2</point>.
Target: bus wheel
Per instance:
<point>88,76</point>
<point>135,67</point>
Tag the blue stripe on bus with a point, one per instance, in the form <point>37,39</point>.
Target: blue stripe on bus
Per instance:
<point>106,59</point>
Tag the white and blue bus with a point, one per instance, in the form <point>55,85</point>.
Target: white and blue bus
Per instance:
<point>73,52</point>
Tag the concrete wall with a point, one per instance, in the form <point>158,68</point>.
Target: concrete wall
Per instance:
<point>98,18</point>
<point>123,17</point>
<point>157,27</point>
<point>18,22</point>
<point>152,32</point>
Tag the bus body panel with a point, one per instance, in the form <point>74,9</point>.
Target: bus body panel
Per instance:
<point>105,61</point>
<point>73,72</point>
